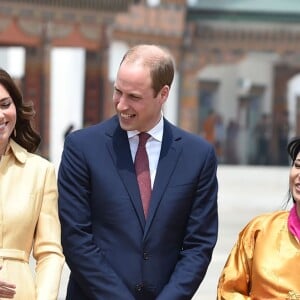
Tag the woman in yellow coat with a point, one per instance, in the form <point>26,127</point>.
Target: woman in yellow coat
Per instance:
<point>265,261</point>
<point>28,205</point>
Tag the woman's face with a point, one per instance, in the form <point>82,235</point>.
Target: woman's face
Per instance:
<point>8,118</point>
<point>295,181</point>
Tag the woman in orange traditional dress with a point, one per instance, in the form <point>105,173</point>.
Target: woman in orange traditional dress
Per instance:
<point>265,261</point>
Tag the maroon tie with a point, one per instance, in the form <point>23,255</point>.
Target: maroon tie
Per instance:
<point>141,164</point>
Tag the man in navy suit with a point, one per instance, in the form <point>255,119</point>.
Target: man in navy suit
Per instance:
<point>115,251</point>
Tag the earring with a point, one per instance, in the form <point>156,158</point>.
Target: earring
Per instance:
<point>15,132</point>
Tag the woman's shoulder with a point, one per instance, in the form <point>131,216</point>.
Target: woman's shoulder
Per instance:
<point>270,216</point>
<point>265,220</point>
<point>25,157</point>
<point>39,159</point>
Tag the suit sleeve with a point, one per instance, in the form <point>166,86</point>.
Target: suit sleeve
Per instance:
<point>200,236</point>
<point>87,262</point>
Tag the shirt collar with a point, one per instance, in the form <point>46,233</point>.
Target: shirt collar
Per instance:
<point>19,152</point>
<point>156,132</point>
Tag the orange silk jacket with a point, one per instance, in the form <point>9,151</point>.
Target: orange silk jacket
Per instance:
<point>264,263</point>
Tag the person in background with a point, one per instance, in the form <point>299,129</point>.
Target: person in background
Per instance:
<point>220,136</point>
<point>264,263</point>
<point>28,195</point>
<point>117,244</point>
<point>283,130</point>
<point>69,129</point>
<point>263,136</point>
<point>209,127</point>
<point>231,142</point>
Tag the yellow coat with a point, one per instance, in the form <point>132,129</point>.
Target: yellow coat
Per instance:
<point>29,222</point>
<point>264,263</point>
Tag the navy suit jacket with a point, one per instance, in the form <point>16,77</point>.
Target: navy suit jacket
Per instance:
<point>111,250</point>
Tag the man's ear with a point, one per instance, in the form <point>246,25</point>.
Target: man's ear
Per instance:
<point>164,93</point>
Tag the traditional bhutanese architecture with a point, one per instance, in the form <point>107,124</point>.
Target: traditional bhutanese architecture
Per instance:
<point>238,59</point>
<point>40,25</point>
<point>233,58</point>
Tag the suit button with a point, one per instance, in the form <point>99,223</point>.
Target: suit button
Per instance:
<point>145,256</point>
<point>139,287</point>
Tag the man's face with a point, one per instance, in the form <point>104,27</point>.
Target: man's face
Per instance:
<point>134,99</point>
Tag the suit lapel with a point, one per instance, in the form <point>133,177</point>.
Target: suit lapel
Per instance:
<point>119,148</point>
<point>170,151</point>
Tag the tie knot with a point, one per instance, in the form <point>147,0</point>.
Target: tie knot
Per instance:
<point>143,137</point>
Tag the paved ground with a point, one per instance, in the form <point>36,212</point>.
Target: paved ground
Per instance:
<point>244,193</point>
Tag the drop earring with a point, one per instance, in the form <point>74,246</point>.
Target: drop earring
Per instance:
<point>15,132</point>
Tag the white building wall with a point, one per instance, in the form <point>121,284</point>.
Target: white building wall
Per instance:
<point>225,75</point>
<point>257,69</point>
<point>12,60</point>
<point>117,50</point>
<point>235,81</point>
<point>293,92</point>
<point>66,95</point>
<point>170,109</point>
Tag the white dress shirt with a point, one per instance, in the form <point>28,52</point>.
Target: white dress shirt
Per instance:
<point>153,146</point>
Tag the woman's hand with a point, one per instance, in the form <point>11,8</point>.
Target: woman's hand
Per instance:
<point>7,290</point>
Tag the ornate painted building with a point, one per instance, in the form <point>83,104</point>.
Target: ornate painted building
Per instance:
<point>234,58</point>
<point>239,58</point>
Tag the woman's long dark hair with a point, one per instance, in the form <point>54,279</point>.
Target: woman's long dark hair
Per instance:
<point>289,196</point>
<point>24,135</point>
